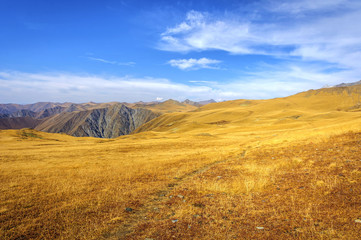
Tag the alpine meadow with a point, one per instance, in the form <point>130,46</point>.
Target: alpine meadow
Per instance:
<point>106,133</point>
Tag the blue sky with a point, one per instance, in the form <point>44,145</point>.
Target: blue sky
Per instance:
<point>132,50</point>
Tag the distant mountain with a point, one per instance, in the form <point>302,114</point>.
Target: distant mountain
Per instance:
<point>190,102</point>
<point>38,115</point>
<point>166,106</point>
<point>141,103</point>
<point>19,122</point>
<point>171,105</point>
<point>88,119</point>
<point>20,113</point>
<point>16,110</point>
<point>110,122</point>
<point>324,106</point>
<point>348,84</point>
<point>53,111</point>
<point>200,103</point>
<point>36,107</point>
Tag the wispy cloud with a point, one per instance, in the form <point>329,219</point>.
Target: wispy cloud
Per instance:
<point>194,64</point>
<point>22,87</point>
<point>201,81</point>
<point>267,82</point>
<point>112,62</point>
<point>320,31</point>
<point>308,5</point>
<point>200,31</point>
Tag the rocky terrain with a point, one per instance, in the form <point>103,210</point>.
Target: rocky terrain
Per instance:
<point>104,120</point>
<point>109,122</point>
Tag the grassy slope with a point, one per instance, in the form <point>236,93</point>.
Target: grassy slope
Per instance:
<point>302,191</point>
<point>170,106</point>
<point>216,173</point>
<point>53,185</point>
<point>316,112</point>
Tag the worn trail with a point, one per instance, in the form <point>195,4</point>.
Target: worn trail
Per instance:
<point>155,202</point>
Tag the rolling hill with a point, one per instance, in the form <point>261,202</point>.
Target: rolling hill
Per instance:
<point>322,108</point>
<point>285,168</point>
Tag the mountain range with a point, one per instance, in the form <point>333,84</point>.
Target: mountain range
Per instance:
<point>103,120</point>
<point>113,119</point>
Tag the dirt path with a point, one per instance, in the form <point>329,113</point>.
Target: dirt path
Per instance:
<point>155,202</point>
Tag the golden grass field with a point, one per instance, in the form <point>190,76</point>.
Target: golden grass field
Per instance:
<point>287,168</point>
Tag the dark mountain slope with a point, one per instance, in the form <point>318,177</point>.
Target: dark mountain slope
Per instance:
<point>108,122</point>
<point>19,122</point>
<point>35,107</point>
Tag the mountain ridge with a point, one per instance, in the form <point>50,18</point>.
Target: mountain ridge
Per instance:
<point>348,84</point>
<point>101,119</point>
<point>104,120</point>
<point>109,122</point>
<point>295,110</point>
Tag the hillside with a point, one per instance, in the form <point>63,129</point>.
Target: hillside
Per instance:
<point>19,123</point>
<point>108,122</point>
<point>322,109</point>
<point>286,168</point>
<point>85,119</point>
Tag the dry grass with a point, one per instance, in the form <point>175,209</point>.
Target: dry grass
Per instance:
<point>303,191</point>
<point>55,186</point>
<point>271,169</point>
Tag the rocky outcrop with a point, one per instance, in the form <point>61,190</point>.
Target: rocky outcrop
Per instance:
<point>108,122</point>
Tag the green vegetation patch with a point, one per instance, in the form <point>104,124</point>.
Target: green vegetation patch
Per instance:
<point>23,134</point>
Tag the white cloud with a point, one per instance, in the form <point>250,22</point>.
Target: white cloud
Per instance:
<point>267,82</point>
<point>112,62</point>
<point>20,87</point>
<point>200,32</point>
<point>324,31</point>
<point>271,82</point>
<point>194,64</point>
<point>193,19</point>
<point>320,42</point>
<point>202,81</point>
